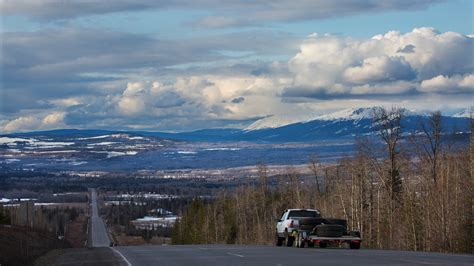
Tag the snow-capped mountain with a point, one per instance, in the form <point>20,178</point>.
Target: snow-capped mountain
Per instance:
<point>353,114</point>
<point>464,113</point>
<point>275,121</point>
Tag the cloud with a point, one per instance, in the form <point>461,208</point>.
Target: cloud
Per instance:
<point>53,120</point>
<point>335,66</point>
<point>238,100</point>
<point>141,97</point>
<point>66,102</point>
<point>21,124</point>
<point>445,84</point>
<point>410,48</point>
<point>225,14</point>
<point>24,123</point>
<point>123,81</point>
<point>50,65</point>
<point>380,68</point>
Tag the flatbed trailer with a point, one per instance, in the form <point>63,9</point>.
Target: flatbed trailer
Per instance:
<point>303,239</point>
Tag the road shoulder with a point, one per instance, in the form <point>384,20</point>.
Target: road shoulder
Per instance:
<point>82,256</point>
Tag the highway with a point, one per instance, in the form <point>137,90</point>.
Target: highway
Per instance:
<point>238,254</point>
<point>99,237</point>
<point>267,255</point>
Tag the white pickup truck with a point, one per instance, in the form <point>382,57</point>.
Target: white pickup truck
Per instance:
<point>306,226</point>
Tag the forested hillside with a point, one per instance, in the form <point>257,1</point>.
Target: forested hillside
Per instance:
<point>419,199</point>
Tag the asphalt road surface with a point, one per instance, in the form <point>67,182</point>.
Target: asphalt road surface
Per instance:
<point>99,237</point>
<point>266,255</point>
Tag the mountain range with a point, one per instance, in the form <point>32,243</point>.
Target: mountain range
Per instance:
<point>340,125</point>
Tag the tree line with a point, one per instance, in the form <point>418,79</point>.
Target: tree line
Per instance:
<point>402,190</point>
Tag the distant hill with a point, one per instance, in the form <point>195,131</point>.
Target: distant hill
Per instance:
<point>340,125</point>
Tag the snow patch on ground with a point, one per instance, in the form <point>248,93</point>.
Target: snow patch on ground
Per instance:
<point>111,154</point>
<point>102,143</point>
<point>13,141</point>
<point>222,149</point>
<point>123,136</point>
<point>186,152</point>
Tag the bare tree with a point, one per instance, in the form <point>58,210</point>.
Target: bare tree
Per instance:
<point>314,167</point>
<point>432,131</point>
<point>388,124</point>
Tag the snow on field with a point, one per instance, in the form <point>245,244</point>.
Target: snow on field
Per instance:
<point>222,149</point>
<point>33,143</point>
<point>8,161</point>
<point>186,152</point>
<point>111,154</point>
<point>48,152</point>
<point>96,137</point>
<point>13,141</point>
<point>47,145</point>
<point>123,136</point>
<point>77,163</point>
<point>102,143</point>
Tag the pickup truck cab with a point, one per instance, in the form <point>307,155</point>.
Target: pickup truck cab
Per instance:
<point>307,227</point>
<point>292,221</point>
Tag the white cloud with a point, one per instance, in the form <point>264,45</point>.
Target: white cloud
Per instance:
<point>380,68</point>
<point>31,122</point>
<point>445,84</point>
<point>133,99</point>
<point>21,124</point>
<point>66,102</point>
<point>397,87</point>
<point>335,65</point>
<point>53,120</point>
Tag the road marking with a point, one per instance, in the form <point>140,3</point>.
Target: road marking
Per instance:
<point>121,255</point>
<point>233,254</point>
<point>417,261</point>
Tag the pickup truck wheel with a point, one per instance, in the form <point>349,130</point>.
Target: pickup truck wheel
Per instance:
<point>279,240</point>
<point>323,244</point>
<point>311,244</point>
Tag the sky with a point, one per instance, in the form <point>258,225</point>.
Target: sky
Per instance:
<point>183,65</point>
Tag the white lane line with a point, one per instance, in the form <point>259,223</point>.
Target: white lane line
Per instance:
<point>233,254</point>
<point>121,255</point>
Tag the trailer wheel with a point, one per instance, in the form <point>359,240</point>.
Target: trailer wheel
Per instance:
<point>354,245</point>
<point>300,242</point>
